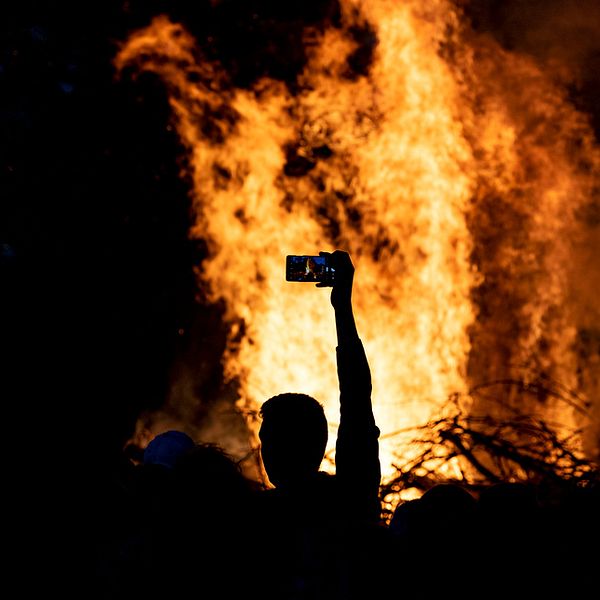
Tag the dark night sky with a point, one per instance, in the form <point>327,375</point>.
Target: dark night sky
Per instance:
<point>96,266</point>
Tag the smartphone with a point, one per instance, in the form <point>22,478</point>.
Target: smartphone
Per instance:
<point>303,267</point>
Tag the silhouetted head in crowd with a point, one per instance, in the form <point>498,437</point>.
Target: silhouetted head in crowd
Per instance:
<point>509,516</point>
<point>152,479</point>
<point>208,481</point>
<point>198,481</point>
<point>166,448</point>
<point>293,437</point>
<point>450,508</point>
<point>442,510</point>
<point>451,498</point>
<point>407,519</point>
<point>508,503</point>
<point>435,535</point>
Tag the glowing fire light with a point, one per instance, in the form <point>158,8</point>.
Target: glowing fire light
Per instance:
<point>453,173</point>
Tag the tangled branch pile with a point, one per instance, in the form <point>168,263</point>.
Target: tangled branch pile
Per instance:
<point>504,444</point>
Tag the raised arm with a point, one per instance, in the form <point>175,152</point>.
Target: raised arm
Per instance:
<point>357,448</point>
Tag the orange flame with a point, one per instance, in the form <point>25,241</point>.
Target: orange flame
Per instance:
<point>453,175</point>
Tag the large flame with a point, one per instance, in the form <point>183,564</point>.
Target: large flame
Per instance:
<point>453,172</point>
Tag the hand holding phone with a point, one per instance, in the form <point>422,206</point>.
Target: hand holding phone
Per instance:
<point>309,268</point>
<point>341,294</point>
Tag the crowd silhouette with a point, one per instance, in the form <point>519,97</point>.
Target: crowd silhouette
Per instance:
<point>187,521</point>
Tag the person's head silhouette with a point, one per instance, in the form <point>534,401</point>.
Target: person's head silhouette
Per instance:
<point>293,437</point>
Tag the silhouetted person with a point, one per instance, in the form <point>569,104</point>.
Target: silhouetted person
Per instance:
<point>319,527</point>
<point>434,537</point>
<point>573,523</point>
<point>143,491</point>
<point>449,508</point>
<point>211,526</point>
<point>407,523</point>
<point>199,520</point>
<point>512,550</point>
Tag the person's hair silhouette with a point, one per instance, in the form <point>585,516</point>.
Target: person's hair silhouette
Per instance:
<point>293,437</point>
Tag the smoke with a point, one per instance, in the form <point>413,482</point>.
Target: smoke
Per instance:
<point>565,30</point>
<point>561,34</point>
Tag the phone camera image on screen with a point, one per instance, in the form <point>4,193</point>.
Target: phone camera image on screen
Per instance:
<point>308,268</point>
